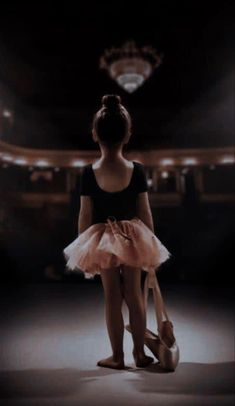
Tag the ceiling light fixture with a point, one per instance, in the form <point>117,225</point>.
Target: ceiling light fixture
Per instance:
<point>129,65</point>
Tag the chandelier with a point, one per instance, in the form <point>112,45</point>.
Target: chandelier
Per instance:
<point>129,65</point>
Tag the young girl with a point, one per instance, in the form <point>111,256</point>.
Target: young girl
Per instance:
<point>116,231</point>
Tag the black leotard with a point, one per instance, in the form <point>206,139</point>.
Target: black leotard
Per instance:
<point>120,204</point>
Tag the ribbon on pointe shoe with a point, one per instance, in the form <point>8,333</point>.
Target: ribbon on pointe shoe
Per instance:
<point>151,279</point>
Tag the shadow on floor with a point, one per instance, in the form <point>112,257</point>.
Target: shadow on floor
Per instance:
<point>188,379</point>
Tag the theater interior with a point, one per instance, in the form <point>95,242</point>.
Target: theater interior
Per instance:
<point>56,64</point>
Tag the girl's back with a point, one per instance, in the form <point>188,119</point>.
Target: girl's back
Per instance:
<point>116,198</point>
<point>113,176</point>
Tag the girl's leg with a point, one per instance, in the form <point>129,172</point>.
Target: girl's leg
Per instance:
<point>111,281</point>
<point>132,292</point>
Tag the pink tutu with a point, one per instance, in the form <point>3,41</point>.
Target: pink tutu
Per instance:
<point>113,244</point>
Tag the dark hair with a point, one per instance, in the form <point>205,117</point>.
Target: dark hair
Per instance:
<point>112,122</point>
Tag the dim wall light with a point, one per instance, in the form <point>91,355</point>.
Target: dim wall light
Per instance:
<point>229,159</point>
<point>78,163</point>
<point>164,174</point>
<point>6,113</point>
<point>42,163</point>
<point>167,161</point>
<point>20,161</point>
<point>190,161</point>
<point>7,157</point>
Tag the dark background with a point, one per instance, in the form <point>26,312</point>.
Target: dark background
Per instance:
<point>50,77</point>
<point>50,66</point>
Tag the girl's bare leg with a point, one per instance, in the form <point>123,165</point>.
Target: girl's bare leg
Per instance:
<point>111,281</point>
<point>134,299</point>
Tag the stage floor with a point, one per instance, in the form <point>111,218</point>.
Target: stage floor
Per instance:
<point>53,334</point>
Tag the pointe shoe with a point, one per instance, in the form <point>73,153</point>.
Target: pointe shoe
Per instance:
<point>166,350</point>
<point>151,341</point>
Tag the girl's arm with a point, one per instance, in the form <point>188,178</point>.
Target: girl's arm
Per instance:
<point>85,213</point>
<point>144,210</point>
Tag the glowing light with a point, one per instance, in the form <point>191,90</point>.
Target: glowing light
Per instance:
<point>20,161</point>
<point>150,182</point>
<point>190,161</point>
<point>130,81</point>
<point>229,159</point>
<point>7,157</point>
<point>212,167</point>
<point>78,163</point>
<point>167,161</point>
<point>56,169</point>
<point>130,65</point>
<point>42,163</point>
<point>164,174</point>
<point>6,113</point>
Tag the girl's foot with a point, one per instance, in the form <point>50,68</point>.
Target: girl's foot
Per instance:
<point>142,360</point>
<point>111,362</point>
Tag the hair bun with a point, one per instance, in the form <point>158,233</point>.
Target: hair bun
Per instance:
<point>111,101</point>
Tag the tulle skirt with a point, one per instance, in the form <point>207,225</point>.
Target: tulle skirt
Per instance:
<point>113,244</point>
